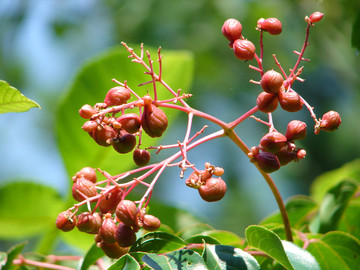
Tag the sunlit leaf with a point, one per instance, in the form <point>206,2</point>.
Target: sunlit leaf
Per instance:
<point>300,258</point>
<point>226,237</point>
<point>27,209</point>
<point>11,255</point>
<point>180,259</point>
<point>11,100</point>
<point>90,86</point>
<point>126,262</point>
<point>229,258</point>
<point>336,250</point>
<point>93,254</point>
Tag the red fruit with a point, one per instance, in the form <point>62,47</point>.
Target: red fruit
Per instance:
<point>290,101</point>
<point>231,29</point>
<point>130,122</point>
<point>103,135</point>
<point>113,251</point>
<point>83,189</point>
<point>267,102</point>
<point>271,82</point>
<point>124,143</point>
<point>66,221</point>
<point>117,96</point>
<point>315,17</point>
<point>273,141</point>
<point>330,121</point>
<point>244,49</point>
<point>218,171</point>
<point>107,230</point>
<point>141,157</point>
<point>268,162</point>
<point>213,190</point>
<point>153,120</point>
<point>301,153</point>
<point>89,222</point>
<point>88,173</point>
<point>198,178</point>
<point>285,155</point>
<point>126,211</point>
<point>296,130</point>
<point>124,235</point>
<point>150,222</point>
<point>271,25</point>
<point>109,202</point>
<point>87,111</point>
<point>89,126</point>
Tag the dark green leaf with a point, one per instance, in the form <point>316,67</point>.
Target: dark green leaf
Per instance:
<point>180,259</point>
<point>93,254</point>
<point>126,262</point>
<point>90,87</point>
<point>328,180</point>
<point>268,242</point>
<point>12,254</point>
<point>158,242</point>
<point>332,207</point>
<point>11,100</point>
<point>300,210</point>
<point>229,258</point>
<point>355,35</point>
<point>336,250</point>
<point>27,209</point>
<point>350,221</point>
<point>199,239</point>
<point>226,238</point>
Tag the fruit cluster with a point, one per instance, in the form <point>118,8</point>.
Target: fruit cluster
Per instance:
<point>121,132</point>
<point>114,220</point>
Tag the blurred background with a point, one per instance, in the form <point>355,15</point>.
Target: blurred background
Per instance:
<point>44,42</point>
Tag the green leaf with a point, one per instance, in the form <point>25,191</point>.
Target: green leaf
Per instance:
<point>78,239</point>
<point>199,239</point>
<point>268,242</point>
<point>300,210</point>
<point>336,250</point>
<point>93,254</point>
<point>11,100</point>
<point>350,221</point>
<point>180,259</point>
<point>90,87</point>
<point>126,262</point>
<point>355,34</point>
<point>226,238</point>
<point>27,209</point>
<point>12,254</point>
<point>333,206</point>
<point>158,242</point>
<point>300,258</point>
<point>328,180</point>
<point>229,258</point>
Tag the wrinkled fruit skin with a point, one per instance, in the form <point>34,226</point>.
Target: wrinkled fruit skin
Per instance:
<point>154,121</point>
<point>285,155</point>
<point>296,130</point>
<point>117,96</point>
<point>88,173</point>
<point>273,141</point>
<point>87,111</point>
<point>102,135</point>
<point>271,25</point>
<point>109,201</point>
<point>107,230</point>
<point>267,102</point>
<point>141,157</point>
<point>125,236</point>
<point>131,122</point>
<point>89,223</point>
<point>213,190</point>
<point>126,212</point>
<point>268,162</point>
<point>113,251</point>
<point>150,222</point>
<point>290,101</point>
<point>271,82</point>
<point>64,222</point>
<point>232,29</point>
<point>330,121</point>
<point>85,187</point>
<point>244,49</point>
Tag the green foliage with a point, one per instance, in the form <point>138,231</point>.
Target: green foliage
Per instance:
<point>126,262</point>
<point>93,254</point>
<point>355,35</point>
<point>90,87</point>
<point>11,255</point>
<point>11,100</point>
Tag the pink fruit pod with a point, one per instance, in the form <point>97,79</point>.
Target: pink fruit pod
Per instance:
<point>315,17</point>
<point>231,29</point>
